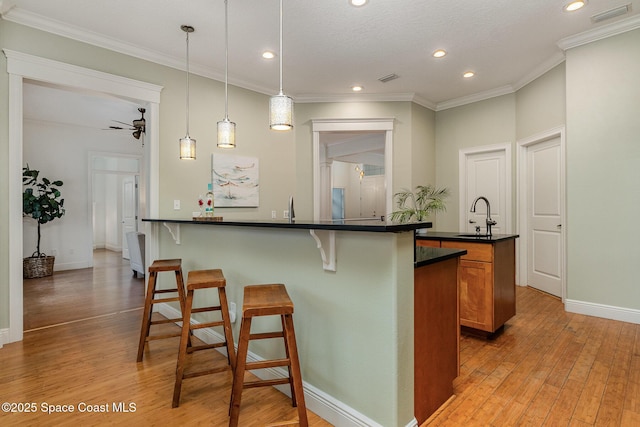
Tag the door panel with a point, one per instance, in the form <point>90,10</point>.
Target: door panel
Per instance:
<point>128,211</point>
<point>486,175</point>
<point>545,217</point>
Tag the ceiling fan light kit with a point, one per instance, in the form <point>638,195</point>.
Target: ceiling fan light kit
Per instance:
<point>187,144</point>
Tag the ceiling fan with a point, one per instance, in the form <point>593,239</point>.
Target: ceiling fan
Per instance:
<point>137,126</point>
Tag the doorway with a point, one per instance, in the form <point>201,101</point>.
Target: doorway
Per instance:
<point>542,212</point>
<point>22,66</point>
<point>365,145</point>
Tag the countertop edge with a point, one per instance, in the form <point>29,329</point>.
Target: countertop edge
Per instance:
<point>369,226</point>
<point>455,236</point>
<point>428,255</point>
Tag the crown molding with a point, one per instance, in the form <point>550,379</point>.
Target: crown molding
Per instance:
<point>555,60</point>
<point>619,27</point>
<point>480,96</point>
<point>364,97</point>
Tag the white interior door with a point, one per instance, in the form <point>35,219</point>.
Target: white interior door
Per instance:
<point>485,172</point>
<point>544,216</point>
<point>372,203</point>
<point>128,211</point>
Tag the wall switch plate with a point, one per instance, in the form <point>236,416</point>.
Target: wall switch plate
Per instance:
<point>285,214</point>
<point>273,215</point>
<point>176,205</point>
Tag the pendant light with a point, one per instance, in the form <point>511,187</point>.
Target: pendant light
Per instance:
<point>280,105</point>
<point>187,144</point>
<point>226,128</point>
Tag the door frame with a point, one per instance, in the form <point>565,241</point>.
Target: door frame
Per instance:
<point>522,204</point>
<point>322,171</point>
<point>22,66</point>
<point>462,179</point>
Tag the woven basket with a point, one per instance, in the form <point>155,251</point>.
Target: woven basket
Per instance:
<point>37,267</point>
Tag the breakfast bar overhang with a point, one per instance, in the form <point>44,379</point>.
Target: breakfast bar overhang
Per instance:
<point>354,323</point>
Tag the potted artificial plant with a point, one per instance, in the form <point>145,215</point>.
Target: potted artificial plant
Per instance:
<point>40,201</point>
<point>419,204</point>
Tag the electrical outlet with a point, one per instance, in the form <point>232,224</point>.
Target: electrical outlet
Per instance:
<point>273,215</point>
<point>232,312</point>
<point>285,215</point>
<point>176,205</point>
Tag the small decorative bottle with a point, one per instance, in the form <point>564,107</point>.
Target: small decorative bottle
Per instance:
<point>209,201</point>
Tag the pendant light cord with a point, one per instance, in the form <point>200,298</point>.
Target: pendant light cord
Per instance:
<point>226,61</point>
<point>187,83</point>
<point>281,47</point>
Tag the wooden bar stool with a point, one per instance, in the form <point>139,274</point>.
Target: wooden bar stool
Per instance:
<point>196,280</point>
<point>267,300</point>
<point>159,266</point>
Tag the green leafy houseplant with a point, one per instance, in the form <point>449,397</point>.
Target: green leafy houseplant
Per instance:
<point>419,204</point>
<point>41,201</point>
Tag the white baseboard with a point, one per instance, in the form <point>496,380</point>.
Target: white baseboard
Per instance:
<point>4,337</point>
<point>319,402</point>
<point>601,310</point>
<point>62,266</point>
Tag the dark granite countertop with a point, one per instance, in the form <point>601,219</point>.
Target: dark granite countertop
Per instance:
<point>338,225</point>
<point>466,237</point>
<point>426,255</point>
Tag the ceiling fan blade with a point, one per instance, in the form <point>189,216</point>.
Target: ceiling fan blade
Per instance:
<point>123,123</point>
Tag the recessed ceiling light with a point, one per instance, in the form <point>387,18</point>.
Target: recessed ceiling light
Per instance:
<point>357,88</point>
<point>439,53</point>
<point>468,74</point>
<point>267,54</point>
<point>575,5</point>
<point>358,3</point>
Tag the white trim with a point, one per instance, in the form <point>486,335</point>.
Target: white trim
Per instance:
<point>21,66</point>
<point>344,125</point>
<point>604,311</point>
<point>4,337</point>
<point>480,96</point>
<point>521,202</point>
<point>322,404</point>
<point>462,179</point>
<point>618,27</point>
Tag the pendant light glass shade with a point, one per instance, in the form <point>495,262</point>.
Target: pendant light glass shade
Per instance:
<point>187,144</point>
<point>280,105</point>
<point>226,128</point>
<point>226,134</point>
<point>280,112</point>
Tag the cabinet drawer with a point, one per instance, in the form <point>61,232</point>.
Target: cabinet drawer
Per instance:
<point>475,251</point>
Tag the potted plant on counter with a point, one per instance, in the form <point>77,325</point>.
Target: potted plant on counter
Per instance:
<point>41,201</point>
<point>418,205</point>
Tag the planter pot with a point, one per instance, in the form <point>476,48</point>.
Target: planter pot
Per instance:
<point>33,267</point>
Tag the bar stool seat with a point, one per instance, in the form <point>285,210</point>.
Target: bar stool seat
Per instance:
<point>159,266</point>
<point>200,280</point>
<point>267,300</point>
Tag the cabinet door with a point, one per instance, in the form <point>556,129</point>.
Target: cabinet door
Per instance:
<point>429,243</point>
<point>476,295</point>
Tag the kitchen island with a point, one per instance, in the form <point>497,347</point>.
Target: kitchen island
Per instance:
<point>488,278</point>
<point>354,324</point>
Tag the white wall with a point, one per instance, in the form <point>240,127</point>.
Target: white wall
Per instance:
<point>61,152</point>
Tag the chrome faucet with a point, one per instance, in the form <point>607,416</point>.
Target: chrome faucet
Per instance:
<point>489,221</point>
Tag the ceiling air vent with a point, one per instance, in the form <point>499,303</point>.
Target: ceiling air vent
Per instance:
<point>611,13</point>
<point>388,78</point>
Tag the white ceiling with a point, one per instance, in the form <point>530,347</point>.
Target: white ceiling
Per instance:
<point>330,45</point>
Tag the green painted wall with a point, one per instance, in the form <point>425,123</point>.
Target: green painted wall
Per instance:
<point>603,171</point>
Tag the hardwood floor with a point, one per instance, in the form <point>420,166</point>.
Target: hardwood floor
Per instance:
<point>548,368</point>
<point>67,360</point>
<point>72,295</point>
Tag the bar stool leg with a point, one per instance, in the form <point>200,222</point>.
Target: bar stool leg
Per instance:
<point>146,316</point>
<point>228,335</point>
<point>238,377</point>
<point>182,352</point>
<point>296,375</point>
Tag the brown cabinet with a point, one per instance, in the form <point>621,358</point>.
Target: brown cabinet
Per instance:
<point>487,282</point>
